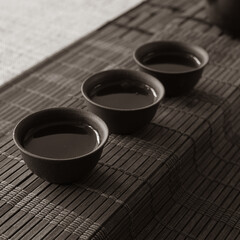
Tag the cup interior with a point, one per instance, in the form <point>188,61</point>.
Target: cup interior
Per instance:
<point>48,117</point>
<point>116,78</point>
<point>150,50</point>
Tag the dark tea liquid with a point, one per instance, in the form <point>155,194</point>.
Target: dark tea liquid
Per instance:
<point>123,95</point>
<point>173,62</point>
<point>62,141</point>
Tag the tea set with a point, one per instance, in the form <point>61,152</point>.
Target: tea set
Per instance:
<point>63,145</point>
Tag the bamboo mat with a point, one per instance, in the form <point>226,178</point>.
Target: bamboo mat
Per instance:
<point>178,178</point>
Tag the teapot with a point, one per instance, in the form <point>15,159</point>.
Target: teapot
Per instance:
<point>225,14</point>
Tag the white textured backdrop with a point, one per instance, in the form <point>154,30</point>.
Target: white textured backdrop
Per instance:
<point>31,30</point>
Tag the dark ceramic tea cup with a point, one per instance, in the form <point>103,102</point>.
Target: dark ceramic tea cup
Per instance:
<point>177,65</point>
<point>126,100</point>
<point>61,145</point>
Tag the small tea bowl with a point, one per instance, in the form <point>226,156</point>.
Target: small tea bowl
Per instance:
<point>126,100</point>
<point>46,140</point>
<point>177,65</point>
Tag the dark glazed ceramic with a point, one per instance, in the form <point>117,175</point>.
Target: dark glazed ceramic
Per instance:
<point>123,121</point>
<point>175,83</point>
<point>60,170</point>
<point>225,14</point>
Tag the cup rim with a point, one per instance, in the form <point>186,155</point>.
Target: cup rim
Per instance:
<point>179,44</point>
<point>134,73</point>
<point>103,139</point>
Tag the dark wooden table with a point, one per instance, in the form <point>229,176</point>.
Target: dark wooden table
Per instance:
<point>178,178</point>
